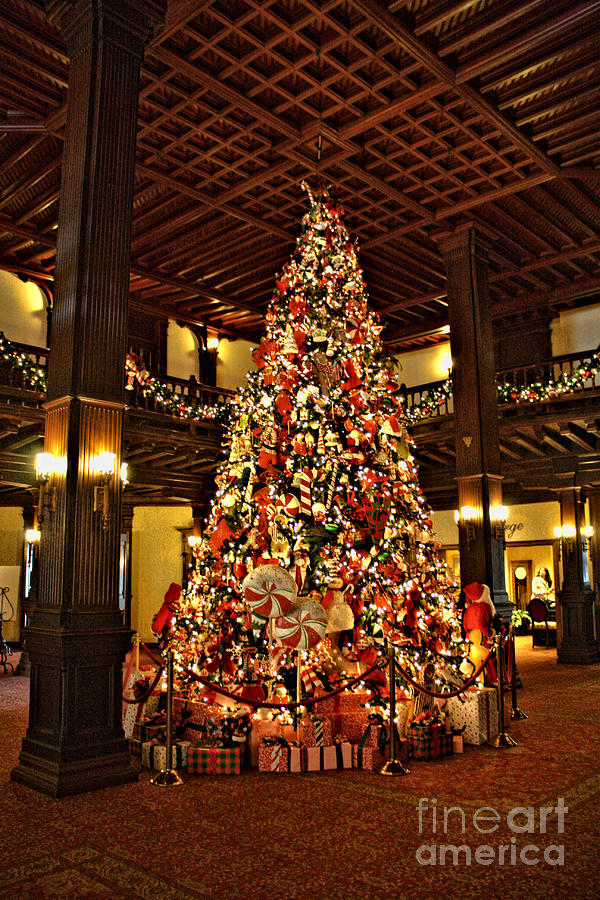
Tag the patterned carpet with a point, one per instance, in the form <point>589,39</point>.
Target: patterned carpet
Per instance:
<point>329,835</point>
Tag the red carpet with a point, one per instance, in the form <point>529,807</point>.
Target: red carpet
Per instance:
<point>329,835</point>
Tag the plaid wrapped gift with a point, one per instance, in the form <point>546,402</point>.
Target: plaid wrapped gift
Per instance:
<point>214,760</point>
<point>428,740</point>
<point>366,757</point>
<point>475,713</point>
<point>335,756</point>
<point>273,755</point>
<point>315,731</point>
<point>154,755</point>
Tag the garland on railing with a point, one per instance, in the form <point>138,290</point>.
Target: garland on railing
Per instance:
<point>566,383</point>
<point>172,402</point>
<point>33,375</point>
<point>178,405</point>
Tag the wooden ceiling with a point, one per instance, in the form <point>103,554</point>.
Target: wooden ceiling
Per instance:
<point>420,114</point>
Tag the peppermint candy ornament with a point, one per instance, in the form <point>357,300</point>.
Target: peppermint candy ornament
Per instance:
<point>269,591</point>
<point>303,627</point>
<point>289,504</point>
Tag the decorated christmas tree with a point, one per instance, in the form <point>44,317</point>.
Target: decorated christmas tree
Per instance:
<point>319,540</point>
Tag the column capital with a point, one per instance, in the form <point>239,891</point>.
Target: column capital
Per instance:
<point>128,23</point>
<point>467,240</point>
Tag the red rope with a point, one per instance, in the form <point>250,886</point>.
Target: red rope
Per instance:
<point>147,693</point>
<point>445,695</point>
<point>308,701</point>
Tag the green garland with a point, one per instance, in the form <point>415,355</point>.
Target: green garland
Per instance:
<point>177,405</point>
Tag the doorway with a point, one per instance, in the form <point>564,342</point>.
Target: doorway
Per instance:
<point>520,582</point>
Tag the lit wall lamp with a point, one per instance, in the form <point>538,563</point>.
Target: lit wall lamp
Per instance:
<point>193,540</point>
<point>124,478</point>
<point>105,467</point>
<point>566,534</point>
<point>587,533</point>
<point>498,517</point>
<point>32,536</point>
<point>467,516</point>
<point>44,469</point>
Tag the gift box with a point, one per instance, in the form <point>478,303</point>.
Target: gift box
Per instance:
<point>349,726</point>
<point>334,756</point>
<point>150,731</point>
<point>366,757</point>
<point>298,758</point>
<point>214,760</point>
<point>458,743</point>
<point>344,702</point>
<point>154,755</point>
<point>273,755</point>
<point>135,747</point>
<point>261,729</point>
<point>475,713</point>
<point>315,731</point>
<point>405,709</point>
<point>137,682</point>
<point>428,740</point>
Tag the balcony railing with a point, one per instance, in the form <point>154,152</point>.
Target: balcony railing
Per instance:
<point>572,371</point>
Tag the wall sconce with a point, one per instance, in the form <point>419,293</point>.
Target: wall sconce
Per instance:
<point>32,536</point>
<point>124,478</point>
<point>105,467</point>
<point>44,469</point>
<point>467,516</point>
<point>565,533</point>
<point>587,533</point>
<point>193,539</point>
<point>212,343</point>
<point>498,517</point>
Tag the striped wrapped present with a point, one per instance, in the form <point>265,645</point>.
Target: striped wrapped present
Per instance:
<point>214,760</point>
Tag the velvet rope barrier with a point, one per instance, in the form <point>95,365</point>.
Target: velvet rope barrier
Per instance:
<point>149,690</point>
<point>259,704</point>
<point>447,694</point>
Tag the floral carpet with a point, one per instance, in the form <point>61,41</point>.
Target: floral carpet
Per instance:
<point>331,835</point>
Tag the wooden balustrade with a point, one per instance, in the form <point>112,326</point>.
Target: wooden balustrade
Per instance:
<point>429,394</point>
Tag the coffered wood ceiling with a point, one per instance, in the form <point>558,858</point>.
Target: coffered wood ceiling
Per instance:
<point>420,115</point>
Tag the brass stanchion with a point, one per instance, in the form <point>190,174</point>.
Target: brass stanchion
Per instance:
<point>168,777</point>
<point>504,740</point>
<point>515,712</point>
<point>393,766</point>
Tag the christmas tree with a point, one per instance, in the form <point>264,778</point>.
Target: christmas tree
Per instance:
<point>319,485</point>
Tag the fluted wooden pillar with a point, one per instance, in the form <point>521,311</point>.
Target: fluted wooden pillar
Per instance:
<point>578,642</point>
<point>77,640</point>
<point>475,413</point>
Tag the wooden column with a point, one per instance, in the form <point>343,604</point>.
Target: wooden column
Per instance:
<point>475,413</point>
<point>76,639</point>
<point>578,643</point>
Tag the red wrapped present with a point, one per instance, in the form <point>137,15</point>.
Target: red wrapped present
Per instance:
<point>334,756</point>
<point>315,731</point>
<point>273,755</point>
<point>214,760</point>
<point>344,702</point>
<point>366,757</point>
<point>349,726</point>
<point>260,730</point>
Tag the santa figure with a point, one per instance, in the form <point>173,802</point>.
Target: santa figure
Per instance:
<point>478,623</point>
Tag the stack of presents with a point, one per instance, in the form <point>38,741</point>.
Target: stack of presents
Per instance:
<point>341,732</point>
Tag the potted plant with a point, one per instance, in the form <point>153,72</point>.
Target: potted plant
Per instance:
<point>520,621</point>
